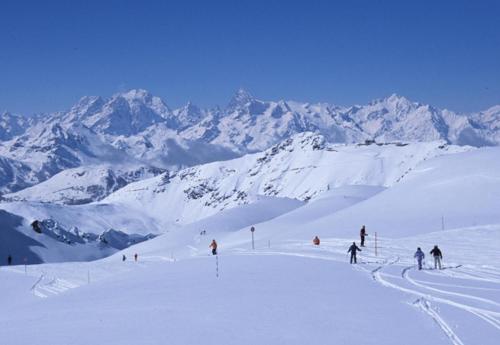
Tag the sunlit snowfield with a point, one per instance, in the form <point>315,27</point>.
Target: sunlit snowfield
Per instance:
<point>284,292</point>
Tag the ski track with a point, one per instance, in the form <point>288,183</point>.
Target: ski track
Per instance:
<point>406,276</point>
<point>491,317</point>
<point>426,307</point>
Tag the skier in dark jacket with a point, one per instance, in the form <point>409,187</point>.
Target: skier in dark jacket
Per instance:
<point>124,257</point>
<point>213,246</point>
<point>316,241</point>
<point>419,255</point>
<point>353,249</point>
<point>362,235</point>
<point>9,259</point>
<point>438,256</point>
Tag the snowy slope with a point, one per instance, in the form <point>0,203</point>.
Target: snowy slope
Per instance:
<point>301,167</point>
<point>83,184</point>
<point>52,242</point>
<point>91,218</point>
<point>291,293</point>
<point>48,148</point>
<point>15,175</point>
<point>450,191</point>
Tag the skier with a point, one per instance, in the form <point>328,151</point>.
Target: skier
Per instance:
<point>36,226</point>
<point>419,255</point>
<point>135,257</point>
<point>124,257</point>
<point>9,259</point>
<point>213,245</point>
<point>353,249</point>
<point>362,234</point>
<point>438,256</point>
<point>316,241</point>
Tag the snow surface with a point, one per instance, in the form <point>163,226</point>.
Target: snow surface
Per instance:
<point>286,290</point>
<point>302,167</point>
<point>290,293</point>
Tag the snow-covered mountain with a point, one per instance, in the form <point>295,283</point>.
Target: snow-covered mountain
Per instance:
<point>140,129</point>
<point>250,125</point>
<point>83,184</point>
<point>302,167</point>
<point>397,118</point>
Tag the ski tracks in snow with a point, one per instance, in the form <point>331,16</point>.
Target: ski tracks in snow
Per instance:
<point>425,306</point>
<point>434,295</point>
<point>46,286</point>
<point>427,295</point>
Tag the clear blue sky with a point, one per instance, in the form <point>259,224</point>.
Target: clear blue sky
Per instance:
<point>446,53</point>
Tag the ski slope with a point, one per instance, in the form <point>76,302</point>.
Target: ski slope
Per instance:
<point>289,293</point>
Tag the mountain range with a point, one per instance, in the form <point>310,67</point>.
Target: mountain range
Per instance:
<point>133,135</point>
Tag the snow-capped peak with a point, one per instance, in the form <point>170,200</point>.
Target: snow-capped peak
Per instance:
<point>136,95</point>
<point>240,98</point>
<point>87,104</point>
<point>395,102</point>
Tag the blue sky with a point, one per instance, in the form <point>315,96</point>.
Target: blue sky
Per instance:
<point>446,53</point>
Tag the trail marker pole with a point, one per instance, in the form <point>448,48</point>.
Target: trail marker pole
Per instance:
<point>269,244</point>
<point>376,244</point>
<point>25,266</point>
<point>88,276</point>
<point>217,266</point>
<point>252,230</point>
<point>442,222</point>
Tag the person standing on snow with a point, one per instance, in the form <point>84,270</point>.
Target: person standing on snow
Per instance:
<point>353,249</point>
<point>9,260</point>
<point>135,257</point>
<point>316,241</point>
<point>213,245</point>
<point>362,235</point>
<point>438,256</point>
<point>124,257</point>
<point>419,255</point>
